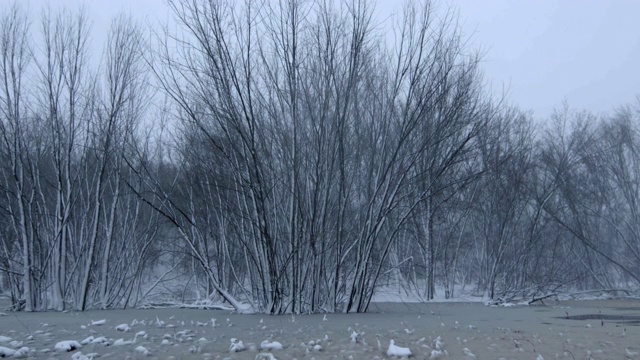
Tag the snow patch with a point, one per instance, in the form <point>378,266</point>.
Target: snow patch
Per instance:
<point>123,327</point>
<point>98,322</point>
<point>87,340</point>
<point>80,356</point>
<point>6,352</point>
<point>269,346</point>
<point>100,340</point>
<point>265,356</point>
<point>68,345</point>
<point>236,345</point>
<point>23,352</point>
<point>143,350</point>
<point>397,294</point>
<point>399,351</point>
<point>121,342</point>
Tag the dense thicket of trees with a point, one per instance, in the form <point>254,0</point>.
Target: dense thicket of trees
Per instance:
<point>293,157</point>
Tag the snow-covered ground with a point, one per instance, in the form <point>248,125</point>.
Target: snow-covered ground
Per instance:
<point>428,331</point>
<point>399,294</point>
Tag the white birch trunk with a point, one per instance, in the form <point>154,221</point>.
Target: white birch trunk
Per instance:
<point>104,274</point>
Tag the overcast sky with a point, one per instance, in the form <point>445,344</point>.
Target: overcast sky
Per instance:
<point>540,51</point>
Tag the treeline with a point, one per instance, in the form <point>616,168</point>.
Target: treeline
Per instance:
<point>295,157</point>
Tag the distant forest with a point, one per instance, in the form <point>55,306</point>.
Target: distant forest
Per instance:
<point>294,157</point>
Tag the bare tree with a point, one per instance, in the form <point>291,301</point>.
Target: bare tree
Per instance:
<point>321,130</point>
<point>16,150</point>
<point>504,206</point>
<point>66,101</point>
<point>117,118</point>
<point>575,158</point>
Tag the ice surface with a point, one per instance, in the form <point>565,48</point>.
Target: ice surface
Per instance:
<point>463,330</point>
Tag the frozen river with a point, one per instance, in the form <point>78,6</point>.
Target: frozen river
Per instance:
<point>605,330</point>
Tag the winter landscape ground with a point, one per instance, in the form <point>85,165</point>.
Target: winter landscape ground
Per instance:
<point>604,329</point>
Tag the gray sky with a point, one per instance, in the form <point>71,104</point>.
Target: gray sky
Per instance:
<point>585,51</point>
<point>540,51</point>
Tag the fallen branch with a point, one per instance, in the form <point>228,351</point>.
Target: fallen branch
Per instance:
<point>168,305</point>
<point>541,298</point>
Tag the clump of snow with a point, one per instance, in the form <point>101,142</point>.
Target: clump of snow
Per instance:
<point>468,354</point>
<point>6,352</point>
<point>399,351</point>
<point>195,349</point>
<point>236,345</point>
<point>23,352</point>
<point>266,345</point>
<point>438,354</point>
<point>87,340</point>
<point>159,323</point>
<point>98,322</point>
<point>123,327</point>
<point>121,342</point>
<point>68,345</point>
<point>143,350</point>
<point>80,356</point>
<point>5,339</point>
<point>354,337</point>
<point>100,340</point>
<point>438,344</point>
<point>438,351</point>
